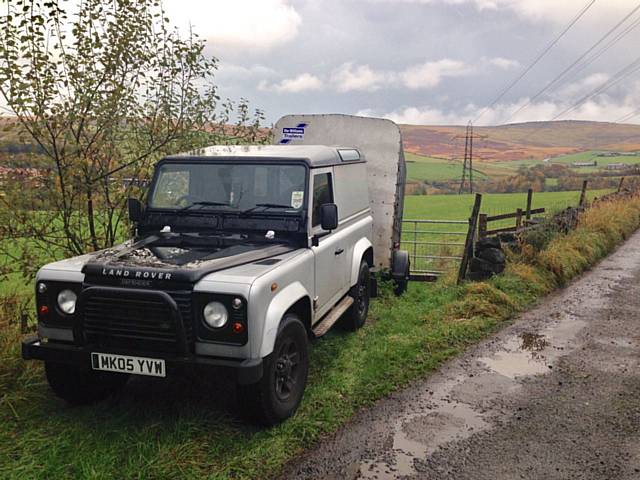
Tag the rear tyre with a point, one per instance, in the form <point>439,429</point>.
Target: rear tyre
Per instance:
<point>82,387</point>
<point>277,395</point>
<point>400,267</point>
<point>361,294</point>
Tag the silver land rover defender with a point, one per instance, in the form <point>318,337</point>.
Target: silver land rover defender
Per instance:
<point>242,254</point>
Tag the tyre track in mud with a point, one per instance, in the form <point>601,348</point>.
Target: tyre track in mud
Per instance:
<point>555,395</point>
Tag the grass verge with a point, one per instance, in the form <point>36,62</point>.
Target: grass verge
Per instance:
<point>187,428</point>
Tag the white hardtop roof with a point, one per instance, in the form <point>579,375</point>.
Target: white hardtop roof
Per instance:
<point>313,155</point>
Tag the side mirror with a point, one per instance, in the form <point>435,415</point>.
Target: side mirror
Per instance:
<point>329,216</point>
<point>136,210</point>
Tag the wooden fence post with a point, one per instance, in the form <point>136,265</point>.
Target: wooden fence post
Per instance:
<point>583,194</point>
<point>415,244</point>
<point>468,244</point>
<point>620,184</point>
<point>483,225</point>
<point>529,202</point>
<point>518,219</point>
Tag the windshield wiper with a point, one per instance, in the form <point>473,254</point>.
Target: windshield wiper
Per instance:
<point>205,204</point>
<point>265,206</point>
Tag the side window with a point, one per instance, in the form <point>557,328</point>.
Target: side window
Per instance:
<point>322,193</point>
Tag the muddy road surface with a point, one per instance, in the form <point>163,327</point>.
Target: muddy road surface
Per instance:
<point>556,395</point>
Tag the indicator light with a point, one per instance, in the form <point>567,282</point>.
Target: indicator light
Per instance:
<point>238,327</point>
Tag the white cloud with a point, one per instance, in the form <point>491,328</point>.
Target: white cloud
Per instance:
<point>349,77</point>
<point>241,24</point>
<point>601,109</point>
<point>301,83</point>
<point>430,74</point>
<point>503,63</point>
<point>584,86</point>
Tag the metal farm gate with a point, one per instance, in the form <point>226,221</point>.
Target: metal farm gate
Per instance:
<point>434,246</point>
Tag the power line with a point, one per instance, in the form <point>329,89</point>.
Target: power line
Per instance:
<point>546,50</point>
<point>617,78</point>
<point>622,34</point>
<point>562,74</point>
<point>628,116</point>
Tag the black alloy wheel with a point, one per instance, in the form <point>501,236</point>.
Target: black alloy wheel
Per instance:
<point>361,294</point>
<point>287,369</point>
<point>277,395</point>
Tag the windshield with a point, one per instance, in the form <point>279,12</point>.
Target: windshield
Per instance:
<point>196,186</point>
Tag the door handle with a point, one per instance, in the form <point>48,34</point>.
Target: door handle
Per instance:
<point>340,251</point>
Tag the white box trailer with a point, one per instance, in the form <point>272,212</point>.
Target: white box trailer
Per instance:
<point>379,141</point>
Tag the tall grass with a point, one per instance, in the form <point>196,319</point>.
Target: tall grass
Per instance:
<point>599,231</point>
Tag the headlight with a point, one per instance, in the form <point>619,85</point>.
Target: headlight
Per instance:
<point>215,315</point>
<point>67,301</point>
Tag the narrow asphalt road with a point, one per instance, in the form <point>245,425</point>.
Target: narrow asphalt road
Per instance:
<point>556,395</point>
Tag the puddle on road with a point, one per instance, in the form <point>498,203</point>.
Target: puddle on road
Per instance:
<point>533,353</point>
<point>515,362</point>
<point>442,416</point>
<point>414,438</point>
<point>534,342</point>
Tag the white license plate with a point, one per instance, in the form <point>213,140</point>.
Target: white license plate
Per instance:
<point>109,362</point>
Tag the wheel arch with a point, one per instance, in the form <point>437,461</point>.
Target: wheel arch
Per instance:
<point>362,249</point>
<point>294,298</point>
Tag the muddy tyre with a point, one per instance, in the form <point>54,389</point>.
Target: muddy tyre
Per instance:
<point>277,395</point>
<point>492,255</point>
<point>485,268</point>
<point>82,386</point>
<point>488,242</point>
<point>356,316</point>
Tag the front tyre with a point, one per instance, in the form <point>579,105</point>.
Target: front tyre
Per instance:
<point>361,294</point>
<point>277,395</point>
<point>81,386</point>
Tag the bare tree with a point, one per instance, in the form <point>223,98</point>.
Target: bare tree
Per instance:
<point>102,91</point>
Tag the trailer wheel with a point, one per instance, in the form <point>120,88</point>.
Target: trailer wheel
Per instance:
<point>361,294</point>
<point>400,265</point>
<point>277,395</point>
<point>80,386</point>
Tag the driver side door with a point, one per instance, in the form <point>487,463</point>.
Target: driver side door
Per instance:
<point>330,254</point>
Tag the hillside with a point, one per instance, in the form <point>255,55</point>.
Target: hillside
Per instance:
<point>536,140</point>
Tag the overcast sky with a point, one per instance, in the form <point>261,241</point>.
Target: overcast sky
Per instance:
<point>415,61</point>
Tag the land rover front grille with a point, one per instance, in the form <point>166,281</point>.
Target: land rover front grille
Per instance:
<point>138,320</point>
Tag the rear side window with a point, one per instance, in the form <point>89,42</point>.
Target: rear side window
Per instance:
<point>322,193</point>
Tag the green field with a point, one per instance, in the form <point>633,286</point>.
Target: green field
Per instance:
<point>458,207</point>
<point>421,168</point>
<point>593,155</point>
<point>431,169</point>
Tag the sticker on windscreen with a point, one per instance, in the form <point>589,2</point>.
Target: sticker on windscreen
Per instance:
<point>296,199</point>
